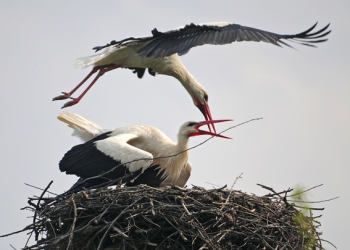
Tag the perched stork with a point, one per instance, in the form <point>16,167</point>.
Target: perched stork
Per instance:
<point>160,54</point>
<point>139,154</point>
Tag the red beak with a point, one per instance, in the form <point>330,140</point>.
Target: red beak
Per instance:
<point>211,122</point>
<point>204,108</point>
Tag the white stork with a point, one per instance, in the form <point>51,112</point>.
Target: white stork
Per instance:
<point>139,154</point>
<point>160,54</point>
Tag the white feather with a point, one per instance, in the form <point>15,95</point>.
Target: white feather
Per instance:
<point>83,128</point>
<point>87,61</point>
<point>220,24</point>
<point>118,148</point>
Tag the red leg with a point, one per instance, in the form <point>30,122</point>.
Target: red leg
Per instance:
<point>101,70</point>
<point>67,95</point>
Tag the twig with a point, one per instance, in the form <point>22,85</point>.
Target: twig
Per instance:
<point>39,188</point>
<point>305,190</point>
<point>234,183</point>
<point>116,219</point>
<point>278,194</point>
<point>329,243</point>
<point>309,208</point>
<point>314,201</point>
<point>184,206</point>
<point>74,221</point>
<point>16,232</point>
<point>37,208</point>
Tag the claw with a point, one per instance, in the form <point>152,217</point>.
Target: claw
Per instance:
<point>70,103</point>
<point>61,97</point>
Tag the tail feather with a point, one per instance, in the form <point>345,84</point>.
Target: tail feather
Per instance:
<point>87,61</point>
<point>83,128</point>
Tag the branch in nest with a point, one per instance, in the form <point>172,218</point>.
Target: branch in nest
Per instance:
<point>142,217</point>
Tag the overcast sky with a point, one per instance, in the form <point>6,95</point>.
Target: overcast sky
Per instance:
<point>303,96</point>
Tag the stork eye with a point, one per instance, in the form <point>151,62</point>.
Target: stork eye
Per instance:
<point>191,124</point>
<point>206,97</point>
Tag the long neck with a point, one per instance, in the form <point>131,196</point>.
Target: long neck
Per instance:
<point>174,67</point>
<point>171,167</point>
<point>182,142</point>
<point>191,85</point>
<point>194,88</point>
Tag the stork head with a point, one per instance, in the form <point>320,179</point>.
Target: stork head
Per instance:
<point>200,100</point>
<point>191,128</point>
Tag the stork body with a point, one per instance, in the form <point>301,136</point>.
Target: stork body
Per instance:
<point>160,54</point>
<point>139,154</point>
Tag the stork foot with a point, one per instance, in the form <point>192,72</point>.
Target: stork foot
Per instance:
<point>71,103</point>
<point>62,97</point>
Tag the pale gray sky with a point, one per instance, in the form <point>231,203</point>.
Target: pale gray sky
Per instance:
<point>303,96</point>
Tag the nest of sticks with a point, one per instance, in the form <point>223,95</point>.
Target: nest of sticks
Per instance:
<point>144,217</point>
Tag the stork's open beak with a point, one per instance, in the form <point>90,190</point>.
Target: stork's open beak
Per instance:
<point>202,132</point>
<point>204,108</point>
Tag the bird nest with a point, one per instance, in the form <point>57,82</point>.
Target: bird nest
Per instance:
<point>144,217</point>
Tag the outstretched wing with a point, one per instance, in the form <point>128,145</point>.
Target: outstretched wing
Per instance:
<point>182,39</point>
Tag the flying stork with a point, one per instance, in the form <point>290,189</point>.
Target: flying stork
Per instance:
<point>160,53</point>
<point>139,154</point>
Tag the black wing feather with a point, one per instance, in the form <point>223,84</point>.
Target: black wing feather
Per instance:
<point>177,41</point>
<point>150,177</point>
<point>85,160</point>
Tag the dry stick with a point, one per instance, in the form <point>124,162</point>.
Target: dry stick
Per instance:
<point>278,193</point>
<point>36,209</point>
<point>119,232</point>
<point>73,225</point>
<point>203,247</point>
<point>99,176</point>
<point>318,235</point>
<point>168,237</point>
<point>39,188</point>
<point>19,231</point>
<point>184,206</point>
<point>270,189</point>
<point>305,190</point>
<point>309,208</point>
<point>99,216</point>
<point>284,199</point>
<point>30,235</point>
<point>147,219</point>
<point>179,231</point>
<point>228,197</point>
<point>112,223</point>
<point>314,201</point>
<point>329,243</point>
<point>92,220</point>
<point>215,185</point>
